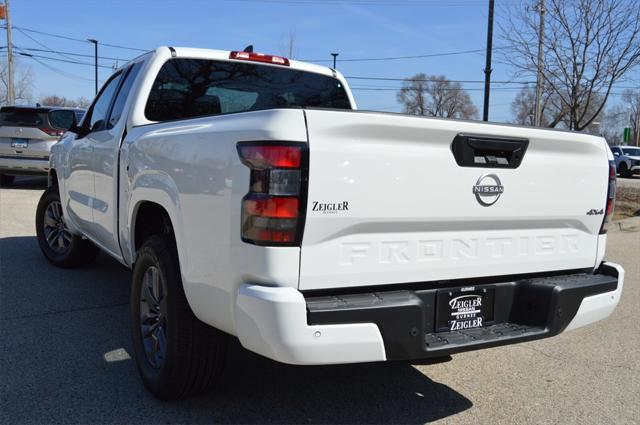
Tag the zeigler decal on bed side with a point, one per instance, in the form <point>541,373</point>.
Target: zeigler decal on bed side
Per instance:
<point>330,207</point>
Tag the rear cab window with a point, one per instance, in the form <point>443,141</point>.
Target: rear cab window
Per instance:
<point>189,88</point>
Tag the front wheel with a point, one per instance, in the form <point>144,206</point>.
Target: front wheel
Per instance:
<point>177,355</point>
<point>57,243</point>
<point>624,170</point>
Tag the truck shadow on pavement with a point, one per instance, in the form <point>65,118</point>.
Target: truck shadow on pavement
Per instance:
<point>65,351</point>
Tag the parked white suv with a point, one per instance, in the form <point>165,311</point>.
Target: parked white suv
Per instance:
<point>251,199</point>
<point>627,160</point>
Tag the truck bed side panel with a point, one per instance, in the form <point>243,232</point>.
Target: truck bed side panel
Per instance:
<point>192,168</point>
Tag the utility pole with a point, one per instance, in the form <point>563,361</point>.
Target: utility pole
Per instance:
<point>95,45</point>
<point>487,68</point>
<point>335,55</point>
<point>11,94</point>
<point>539,78</point>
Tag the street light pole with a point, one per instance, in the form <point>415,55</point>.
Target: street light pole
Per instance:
<point>487,68</point>
<point>335,55</point>
<point>95,45</point>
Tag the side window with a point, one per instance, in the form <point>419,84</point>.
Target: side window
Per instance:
<point>121,98</point>
<point>100,108</point>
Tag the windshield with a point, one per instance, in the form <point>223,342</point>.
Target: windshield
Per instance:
<point>187,88</point>
<point>631,151</point>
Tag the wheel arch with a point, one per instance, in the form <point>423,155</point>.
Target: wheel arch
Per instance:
<point>149,218</point>
<point>52,179</point>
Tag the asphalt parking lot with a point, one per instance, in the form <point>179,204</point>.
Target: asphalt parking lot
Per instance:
<point>64,344</point>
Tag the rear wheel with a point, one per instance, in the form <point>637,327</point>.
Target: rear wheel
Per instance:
<point>177,354</point>
<point>56,242</point>
<point>6,180</point>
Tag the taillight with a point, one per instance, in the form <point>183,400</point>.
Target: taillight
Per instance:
<point>611,197</point>
<point>259,57</point>
<point>52,131</point>
<point>273,210</point>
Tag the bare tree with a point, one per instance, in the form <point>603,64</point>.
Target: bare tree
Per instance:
<point>83,102</point>
<point>617,118</point>
<point>589,45</point>
<point>55,100</point>
<point>288,46</point>
<point>523,108</point>
<point>436,96</point>
<point>22,81</point>
<point>554,113</point>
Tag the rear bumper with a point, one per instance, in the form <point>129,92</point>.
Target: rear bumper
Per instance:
<point>281,324</point>
<point>23,166</point>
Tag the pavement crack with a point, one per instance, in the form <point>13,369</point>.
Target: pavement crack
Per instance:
<point>57,312</point>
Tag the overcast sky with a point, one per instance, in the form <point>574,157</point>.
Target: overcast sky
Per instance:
<point>357,29</point>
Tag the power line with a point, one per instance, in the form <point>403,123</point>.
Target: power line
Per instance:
<point>424,80</point>
<point>39,43</point>
<point>32,49</point>
<point>79,40</point>
<point>429,55</point>
<point>52,68</point>
<point>23,53</point>
<point>366,88</point>
<point>117,46</point>
<point>504,89</point>
<point>125,47</point>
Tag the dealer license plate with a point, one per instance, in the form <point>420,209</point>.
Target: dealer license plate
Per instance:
<point>464,308</point>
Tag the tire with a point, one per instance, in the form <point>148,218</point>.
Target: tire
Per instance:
<point>58,245</point>
<point>6,180</point>
<point>624,170</point>
<point>181,356</point>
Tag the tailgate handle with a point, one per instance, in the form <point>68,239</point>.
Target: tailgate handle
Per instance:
<point>472,150</point>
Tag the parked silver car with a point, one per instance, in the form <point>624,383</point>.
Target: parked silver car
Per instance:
<point>26,138</point>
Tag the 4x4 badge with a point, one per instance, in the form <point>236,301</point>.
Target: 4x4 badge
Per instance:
<point>488,189</point>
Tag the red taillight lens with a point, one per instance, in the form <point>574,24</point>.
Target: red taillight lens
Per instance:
<point>271,207</point>
<point>272,211</point>
<point>259,57</point>
<point>262,157</point>
<point>52,131</point>
<point>611,197</point>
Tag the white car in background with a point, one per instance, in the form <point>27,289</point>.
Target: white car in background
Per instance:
<point>627,160</point>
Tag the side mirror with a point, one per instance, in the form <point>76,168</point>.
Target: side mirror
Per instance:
<point>64,119</point>
<point>616,154</point>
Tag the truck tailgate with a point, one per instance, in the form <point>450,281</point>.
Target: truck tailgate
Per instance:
<point>388,203</point>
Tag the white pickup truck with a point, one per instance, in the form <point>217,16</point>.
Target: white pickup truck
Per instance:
<point>251,199</point>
